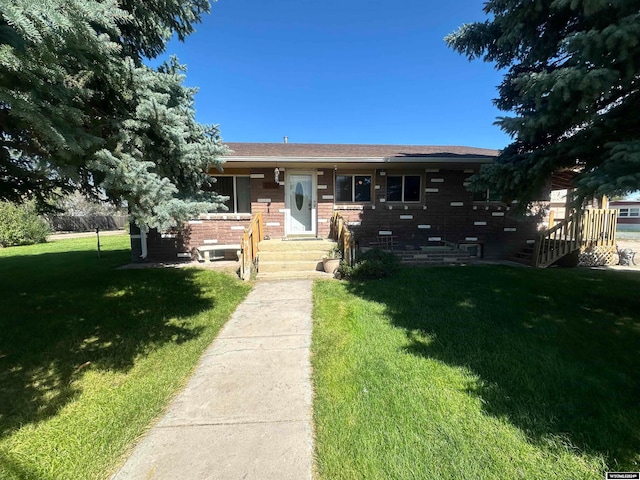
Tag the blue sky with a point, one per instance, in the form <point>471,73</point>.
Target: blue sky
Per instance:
<point>349,71</point>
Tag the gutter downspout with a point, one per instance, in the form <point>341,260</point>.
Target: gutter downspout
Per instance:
<point>143,242</point>
<point>335,169</point>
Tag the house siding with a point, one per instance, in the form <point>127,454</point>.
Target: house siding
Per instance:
<point>626,223</point>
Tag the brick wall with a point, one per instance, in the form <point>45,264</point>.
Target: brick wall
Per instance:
<point>325,201</point>
<point>221,229</point>
<point>446,212</point>
<point>168,246</point>
<point>268,197</point>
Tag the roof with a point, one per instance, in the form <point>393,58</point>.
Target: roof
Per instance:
<point>329,150</point>
<point>624,203</point>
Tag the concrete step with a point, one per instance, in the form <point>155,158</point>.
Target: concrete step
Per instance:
<point>293,255</point>
<point>285,275</point>
<point>289,266</point>
<point>279,245</point>
<point>435,248</point>
<point>304,256</point>
<point>448,261</point>
<point>524,256</point>
<point>435,256</point>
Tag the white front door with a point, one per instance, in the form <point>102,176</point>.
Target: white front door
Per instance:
<point>300,203</point>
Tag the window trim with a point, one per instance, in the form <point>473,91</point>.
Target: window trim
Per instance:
<point>235,194</point>
<point>402,200</point>
<point>353,187</point>
<point>629,212</point>
<point>487,193</point>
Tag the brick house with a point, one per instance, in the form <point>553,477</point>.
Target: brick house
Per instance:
<point>414,194</point>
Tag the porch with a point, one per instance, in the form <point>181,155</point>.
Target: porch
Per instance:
<point>591,230</point>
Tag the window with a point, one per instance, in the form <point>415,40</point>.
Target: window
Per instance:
<point>403,188</point>
<point>353,188</point>
<point>486,196</point>
<point>629,212</point>
<point>237,189</point>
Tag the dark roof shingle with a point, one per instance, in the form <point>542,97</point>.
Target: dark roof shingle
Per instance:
<point>329,150</point>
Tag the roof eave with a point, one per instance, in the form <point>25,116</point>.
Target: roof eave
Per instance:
<point>460,159</point>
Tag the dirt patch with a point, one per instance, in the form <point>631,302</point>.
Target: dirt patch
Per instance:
<point>629,243</point>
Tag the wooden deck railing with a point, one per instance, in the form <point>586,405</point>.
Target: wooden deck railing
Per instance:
<point>339,231</point>
<point>249,245</point>
<point>582,229</point>
<point>598,227</point>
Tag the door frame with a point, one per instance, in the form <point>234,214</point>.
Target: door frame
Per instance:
<point>314,202</point>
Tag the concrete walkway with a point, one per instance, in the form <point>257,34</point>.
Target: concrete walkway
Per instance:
<point>246,412</point>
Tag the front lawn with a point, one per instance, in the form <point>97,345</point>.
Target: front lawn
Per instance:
<point>482,372</point>
<point>90,355</point>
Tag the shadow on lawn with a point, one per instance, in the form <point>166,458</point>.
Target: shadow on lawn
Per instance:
<point>60,318</point>
<point>555,352</point>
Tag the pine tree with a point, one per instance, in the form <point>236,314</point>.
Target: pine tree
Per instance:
<point>79,110</point>
<point>572,82</point>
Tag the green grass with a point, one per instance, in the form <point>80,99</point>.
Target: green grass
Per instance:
<point>90,354</point>
<point>482,372</point>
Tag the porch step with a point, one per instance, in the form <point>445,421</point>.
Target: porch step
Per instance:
<point>524,256</point>
<point>440,256</point>
<point>292,257</point>
<point>289,275</point>
<point>288,265</point>
<point>279,245</point>
<point>436,248</point>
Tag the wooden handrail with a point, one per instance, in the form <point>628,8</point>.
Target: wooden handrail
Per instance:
<point>582,229</point>
<point>339,231</point>
<point>249,245</point>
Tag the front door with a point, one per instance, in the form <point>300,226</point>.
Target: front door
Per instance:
<point>300,203</point>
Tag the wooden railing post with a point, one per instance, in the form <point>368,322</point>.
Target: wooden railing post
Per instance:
<point>538,250</point>
<point>332,227</point>
<point>340,233</point>
<point>246,257</point>
<point>347,247</point>
<point>249,245</point>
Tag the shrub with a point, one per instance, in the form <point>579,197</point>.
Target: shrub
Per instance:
<point>21,225</point>
<point>374,263</point>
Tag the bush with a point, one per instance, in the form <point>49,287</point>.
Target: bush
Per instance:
<point>374,263</point>
<point>21,225</point>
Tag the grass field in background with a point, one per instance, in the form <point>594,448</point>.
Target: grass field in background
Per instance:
<point>91,354</point>
<point>480,372</point>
